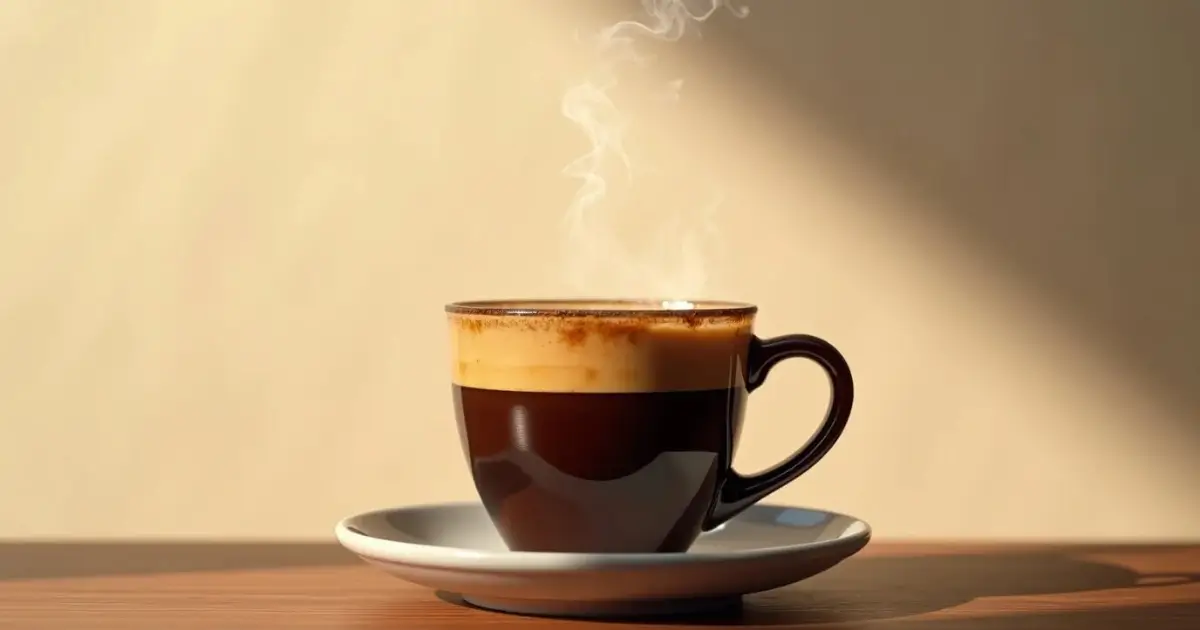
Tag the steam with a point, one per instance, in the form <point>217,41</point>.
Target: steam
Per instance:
<point>596,256</point>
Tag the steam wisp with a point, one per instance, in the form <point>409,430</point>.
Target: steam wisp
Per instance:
<point>597,259</point>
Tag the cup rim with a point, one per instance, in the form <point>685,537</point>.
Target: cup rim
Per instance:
<point>600,308</point>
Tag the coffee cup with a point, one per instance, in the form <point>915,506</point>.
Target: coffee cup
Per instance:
<point>610,426</point>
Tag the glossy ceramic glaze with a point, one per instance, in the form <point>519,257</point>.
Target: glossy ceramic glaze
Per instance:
<point>454,548</point>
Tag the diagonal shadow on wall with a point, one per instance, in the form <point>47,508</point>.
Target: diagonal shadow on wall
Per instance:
<point>1059,139</point>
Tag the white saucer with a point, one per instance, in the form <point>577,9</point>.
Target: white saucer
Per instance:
<point>454,548</point>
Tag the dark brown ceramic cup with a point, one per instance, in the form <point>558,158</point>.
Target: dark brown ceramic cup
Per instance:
<point>609,426</point>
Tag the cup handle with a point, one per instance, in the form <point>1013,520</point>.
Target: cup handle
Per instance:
<point>738,492</point>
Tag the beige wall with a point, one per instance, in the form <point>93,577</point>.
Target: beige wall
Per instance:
<point>227,230</point>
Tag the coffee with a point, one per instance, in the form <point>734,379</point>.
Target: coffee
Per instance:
<point>599,426</point>
<point>585,441</point>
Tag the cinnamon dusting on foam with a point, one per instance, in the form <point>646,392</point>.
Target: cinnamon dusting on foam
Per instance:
<point>671,350</point>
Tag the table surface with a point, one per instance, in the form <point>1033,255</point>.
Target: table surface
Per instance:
<point>301,586</point>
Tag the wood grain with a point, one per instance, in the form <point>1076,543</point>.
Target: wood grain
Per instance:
<point>896,586</point>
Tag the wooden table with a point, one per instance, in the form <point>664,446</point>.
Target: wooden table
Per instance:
<point>895,586</point>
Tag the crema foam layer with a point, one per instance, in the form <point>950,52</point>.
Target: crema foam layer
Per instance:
<point>611,354</point>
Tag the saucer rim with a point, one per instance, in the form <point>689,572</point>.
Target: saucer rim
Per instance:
<point>418,554</point>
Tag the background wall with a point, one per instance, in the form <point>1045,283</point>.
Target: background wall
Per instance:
<point>227,229</point>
